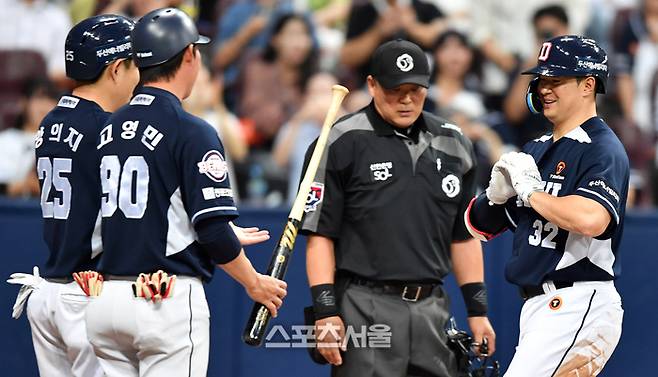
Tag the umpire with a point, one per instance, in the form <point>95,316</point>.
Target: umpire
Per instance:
<point>385,225</point>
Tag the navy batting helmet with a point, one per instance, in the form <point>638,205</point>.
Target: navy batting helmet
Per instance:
<point>96,42</point>
<point>568,55</point>
<point>162,34</point>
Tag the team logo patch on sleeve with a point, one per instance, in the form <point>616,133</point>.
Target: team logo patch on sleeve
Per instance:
<point>213,166</point>
<point>314,197</point>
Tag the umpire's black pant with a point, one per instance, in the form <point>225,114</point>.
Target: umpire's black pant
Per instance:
<point>417,340</point>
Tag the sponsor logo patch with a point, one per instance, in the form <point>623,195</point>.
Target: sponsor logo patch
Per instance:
<point>213,166</point>
<point>110,51</point>
<point>70,102</point>
<point>314,197</point>
<point>381,171</point>
<point>142,99</point>
<point>451,185</point>
<point>210,193</point>
<point>555,303</point>
<point>600,183</point>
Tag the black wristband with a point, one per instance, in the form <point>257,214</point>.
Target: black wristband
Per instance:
<point>475,298</point>
<point>324,301</point>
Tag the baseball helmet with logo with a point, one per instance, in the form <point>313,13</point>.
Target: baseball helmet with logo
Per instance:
<point>568,55</point>
<point>162,34</point>
<point>94,43</point>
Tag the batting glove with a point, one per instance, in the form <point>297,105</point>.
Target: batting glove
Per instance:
<point>28,282</point>
<point>500,186</point>
<point>523,172</point>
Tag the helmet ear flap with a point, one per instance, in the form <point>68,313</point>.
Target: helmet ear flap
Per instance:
<point>532,97</point>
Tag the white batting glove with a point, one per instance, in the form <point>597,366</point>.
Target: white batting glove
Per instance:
<point>500,186</point>
<point>523,172</point>
<point>28,282</point>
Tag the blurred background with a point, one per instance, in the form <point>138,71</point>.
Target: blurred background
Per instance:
<point>266,86</point>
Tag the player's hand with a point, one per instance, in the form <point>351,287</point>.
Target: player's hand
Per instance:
<point>268,291</point>
<point>330,338</point>
<point>251,235</point>
<point>500,186</point>
<point>481,328</point>
<point>523,173</point>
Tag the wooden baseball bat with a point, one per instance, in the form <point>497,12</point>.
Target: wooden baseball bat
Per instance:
<point>256,326</point>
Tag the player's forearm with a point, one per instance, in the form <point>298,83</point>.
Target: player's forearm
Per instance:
<point>320,260</point>
<point>241,270</point>
<point>467,263</point>
<point>573,213</point>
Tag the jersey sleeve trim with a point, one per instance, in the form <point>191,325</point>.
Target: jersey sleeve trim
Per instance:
<point>610,207</point>
<point>212,209</point>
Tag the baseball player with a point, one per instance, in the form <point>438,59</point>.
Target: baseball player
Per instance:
<point>564,197</point>
<point>98,58</point>
<point>166,206</point>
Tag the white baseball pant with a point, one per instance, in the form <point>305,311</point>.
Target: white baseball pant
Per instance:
<point>568,332</point>
<point>56,312</point>
<point>135,337</point>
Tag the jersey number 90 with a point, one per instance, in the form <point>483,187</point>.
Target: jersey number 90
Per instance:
<point>125,188</point>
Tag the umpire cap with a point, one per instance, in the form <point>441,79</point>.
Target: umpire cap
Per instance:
<point>162,34</point>
<point>572,55</point>
<point>94,43</point>
<point>400,62</point>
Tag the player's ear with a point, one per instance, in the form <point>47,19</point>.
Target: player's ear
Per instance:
<point>372,83</point>
<point>589,85</point>
<point>114,68</point>
<point>190,53</point>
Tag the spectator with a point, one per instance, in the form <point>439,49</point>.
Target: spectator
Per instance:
<point>548,22</point>
<point>636,61</point>
<point>635,41</point>
<point>503,33</point>
<point>36,25</point>
<point>372,22</point>
<point>205,101</point>
<point>274,80</point>
<point>302,129</point>
<point>243,28</point>
<point>450,98</point>
<point>17,175</point>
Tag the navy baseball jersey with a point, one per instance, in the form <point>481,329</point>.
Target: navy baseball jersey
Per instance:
<point>67,167</point>
<point>162,170</point>
<point>591,162</point>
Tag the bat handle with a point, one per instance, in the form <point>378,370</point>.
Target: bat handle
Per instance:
<point>259,318</point>
<point>254,332</point>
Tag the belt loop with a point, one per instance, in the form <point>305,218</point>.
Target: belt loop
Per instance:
<point>549,286</point>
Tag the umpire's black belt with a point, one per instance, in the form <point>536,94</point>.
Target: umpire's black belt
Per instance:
<point>407,291</point>
<point>530,291</point>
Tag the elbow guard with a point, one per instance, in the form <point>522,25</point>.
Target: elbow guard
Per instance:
<point>485,221</point>
<point>218,240</point>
